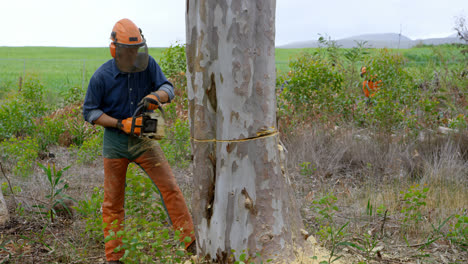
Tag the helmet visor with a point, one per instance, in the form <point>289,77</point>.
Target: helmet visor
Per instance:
<point>131,58</point>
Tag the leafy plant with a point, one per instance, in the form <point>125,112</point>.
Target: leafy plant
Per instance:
<point>459,122</point>
<point>366,245</point>
<point>332,49</point>
<point>72,96</point>
<point>329,232</point>
<point>306,169</point>
<point>6,189</point>
<point>3,243</point>
<point>22,153</point>
<point>90,149</point>
<point>458,232</point>
<point>15,119</point>
<point>173,60</point>
<point>33,95</point>
<point>76,126</point>
<point>90,211</point>
<point>244,258</point>
<point>176,145</point>
<point>56,195</point>
<point>312,84</point>
<point>49,131</point>
<point>436,233</point>
<point>413,201</point>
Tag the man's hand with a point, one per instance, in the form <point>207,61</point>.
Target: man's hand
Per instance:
<point>126,125</point>
<point>151,101</point>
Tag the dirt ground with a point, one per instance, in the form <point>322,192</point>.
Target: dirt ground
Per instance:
<point>82,179</point>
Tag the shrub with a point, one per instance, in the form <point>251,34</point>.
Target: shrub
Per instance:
<point>173,64</point>
<point>413,202</point>
<point>56,197</point>
<point>173,60</point>
<point>312,85</point>
<point>15,119</point>
<point>458,232</point>
<point>48,131</point>
<point>91,148</point>
<point>398,104</point>
<point>72,96</point>
<point>176,145</point>
<point>17,113</point>
<point>21,153</point>
<point>90,211</point>
<point>33,95</point>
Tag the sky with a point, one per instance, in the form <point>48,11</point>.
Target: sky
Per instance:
<point>87,23</point>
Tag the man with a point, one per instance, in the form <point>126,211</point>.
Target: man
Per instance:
<point>369,85</point>
<point>115,90</point>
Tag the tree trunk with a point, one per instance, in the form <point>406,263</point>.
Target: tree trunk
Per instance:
<point>4,214</point>
<point>242,200</point>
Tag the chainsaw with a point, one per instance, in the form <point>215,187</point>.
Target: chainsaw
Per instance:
<point>152,125</point>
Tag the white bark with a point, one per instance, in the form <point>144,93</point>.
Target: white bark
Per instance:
<point>241,199</point>
<point>4,214</point>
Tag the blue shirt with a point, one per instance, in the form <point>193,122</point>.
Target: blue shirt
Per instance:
<point>117,94</point>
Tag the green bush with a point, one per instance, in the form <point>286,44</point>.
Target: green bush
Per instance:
<point>458,232</point>
<point>90,150</point>
<point>173,60</point>
<point>19,111</point>
<point>90,211</point>
<point>78,130</point>
<point>398,104</point>
<point>312,86</point>
<point>176,145</point>
<point>15,119</point>
<point>33,95</point>
<point>21,153</point>
<point>173,64</point>
<point>413,203</point>
<point>72,96</point>
<point>48,131</point>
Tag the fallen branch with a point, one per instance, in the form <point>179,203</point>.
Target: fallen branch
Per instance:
<point>383,224</point>
<point>9,184</point>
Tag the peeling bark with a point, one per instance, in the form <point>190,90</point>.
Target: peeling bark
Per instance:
<point>242,201</point>
<point>4,214</point>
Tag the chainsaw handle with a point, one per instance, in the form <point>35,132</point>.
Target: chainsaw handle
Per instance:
<point>143,106</point>
<point>138,112</point>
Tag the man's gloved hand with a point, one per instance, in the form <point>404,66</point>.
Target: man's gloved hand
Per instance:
<point>126,125</point>
<point>151,101</point>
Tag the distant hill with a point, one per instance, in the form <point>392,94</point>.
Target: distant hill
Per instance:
<point>385,40</point>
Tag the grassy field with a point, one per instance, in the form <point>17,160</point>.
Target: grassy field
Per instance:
<point>61,68</point>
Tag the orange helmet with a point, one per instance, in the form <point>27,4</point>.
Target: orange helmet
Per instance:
<point>128,46</point>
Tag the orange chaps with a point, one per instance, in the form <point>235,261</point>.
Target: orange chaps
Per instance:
<point>156,166</point>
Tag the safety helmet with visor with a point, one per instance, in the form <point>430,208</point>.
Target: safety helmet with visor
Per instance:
<point>128,47</point>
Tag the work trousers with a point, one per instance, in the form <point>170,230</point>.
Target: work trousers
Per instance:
<point>118,151</point>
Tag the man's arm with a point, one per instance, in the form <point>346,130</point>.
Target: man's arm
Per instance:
<point>163,95</point>
<point>106,121</point>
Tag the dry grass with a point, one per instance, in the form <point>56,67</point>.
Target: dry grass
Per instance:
<point>362,167</point>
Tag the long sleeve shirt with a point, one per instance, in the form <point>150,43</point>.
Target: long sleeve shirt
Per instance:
<point>117,94</point>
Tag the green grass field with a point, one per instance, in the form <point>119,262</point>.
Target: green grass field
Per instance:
<point>61,69</point>
<point>58,68</point>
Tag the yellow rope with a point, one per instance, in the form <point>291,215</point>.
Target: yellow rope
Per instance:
<point>265,134</point>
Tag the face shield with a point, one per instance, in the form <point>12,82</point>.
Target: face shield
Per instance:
<point>131,58</point>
